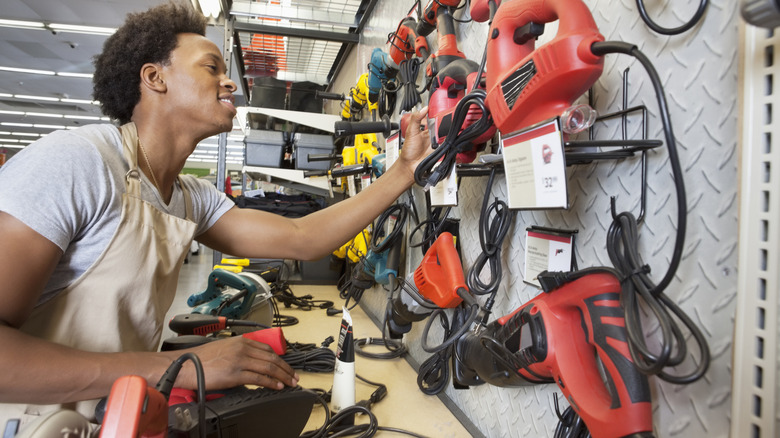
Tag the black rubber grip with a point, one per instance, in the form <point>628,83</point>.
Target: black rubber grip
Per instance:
<point>323,157</point>
<point>348,129</point>
<point>323,95</point>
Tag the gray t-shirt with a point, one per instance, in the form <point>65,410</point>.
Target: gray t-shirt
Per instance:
<point>68,187</point>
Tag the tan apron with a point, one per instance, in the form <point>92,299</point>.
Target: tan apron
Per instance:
<point>120,302</point>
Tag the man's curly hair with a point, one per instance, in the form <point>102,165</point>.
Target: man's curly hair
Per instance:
<point>144,37</point>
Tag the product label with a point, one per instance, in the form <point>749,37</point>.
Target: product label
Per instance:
<point>535,167</point>
<point>546,252</point>
<point>445,192</point>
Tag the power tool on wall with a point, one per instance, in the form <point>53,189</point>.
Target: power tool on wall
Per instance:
<point>528,84</point>
<point>567,335</point>
<point>438,16</point>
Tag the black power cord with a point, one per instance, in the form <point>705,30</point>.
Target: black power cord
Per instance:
<point>166,382</point>
<point>622,246</point>
<point>640,4</point>
<point>494,222</point>
<point>456,141</point>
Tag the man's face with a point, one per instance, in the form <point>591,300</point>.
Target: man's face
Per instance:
<point>197,86</point>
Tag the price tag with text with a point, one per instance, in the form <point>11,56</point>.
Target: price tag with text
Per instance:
<point>445,192</point>
<point>547,251</point>
<point>535,167</point>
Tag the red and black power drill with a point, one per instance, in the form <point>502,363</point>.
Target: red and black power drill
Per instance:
<point>567,335</point>
<point>405,43</point>
<point>528,84</point>
<point>447,92</point>
<point>437,15</point>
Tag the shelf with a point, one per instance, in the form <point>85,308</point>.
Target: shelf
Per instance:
<point>292,178</point>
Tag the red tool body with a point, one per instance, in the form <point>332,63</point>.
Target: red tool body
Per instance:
<point>557,337</point>
<point>439,279</point>
<point>405,43</point>
<point>447,90</point>
<point>135,410</point>
<point>447,50</point>
<point>528,84</point>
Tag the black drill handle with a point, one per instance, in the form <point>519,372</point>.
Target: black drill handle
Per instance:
<point>331,96</point>
<point>323,157</point>
<point>338,172</point>
<point>348,129</point>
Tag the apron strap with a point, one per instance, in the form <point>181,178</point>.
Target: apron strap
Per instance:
<point>129,135</point>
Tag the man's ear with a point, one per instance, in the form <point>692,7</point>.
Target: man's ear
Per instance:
<point>151,77</point>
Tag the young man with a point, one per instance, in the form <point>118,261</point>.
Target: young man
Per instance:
<point>90,254</point>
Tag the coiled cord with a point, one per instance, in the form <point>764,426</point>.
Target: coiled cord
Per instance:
<point>309,357</point>
<point>640,4</point>
<point>622,246</point>
<point>456,141</point>
<point>491,238</point>
<point>400,213</point>
<point>409,70</point>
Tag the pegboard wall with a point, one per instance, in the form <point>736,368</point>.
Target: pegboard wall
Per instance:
<point>699,70</point>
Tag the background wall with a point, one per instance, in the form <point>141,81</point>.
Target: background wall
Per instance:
<point>699,70</point>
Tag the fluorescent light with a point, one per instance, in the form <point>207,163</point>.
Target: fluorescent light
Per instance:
<point>54,116</point>
<point>24,134</point>
<point>6,95</point>
<point>92,30</point>
<point>22,125</point>
<point>74,75</point>
<point>27,70</point>
<point>84,117</point>
<point>12,146</point>
<point>210,8</point>
<point>27,96</point>
<point>37,125</point>
<point>12,113</point>
<point>84,101</point>
<point>9,140</point>
<point>22,24</point>
<point>57,27</point>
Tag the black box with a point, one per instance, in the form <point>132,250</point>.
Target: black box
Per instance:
<point>264,148</point>
<point>306,144</point>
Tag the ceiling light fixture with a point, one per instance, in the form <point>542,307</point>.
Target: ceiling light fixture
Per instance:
<point>210,8</point>
<point>57,27</point>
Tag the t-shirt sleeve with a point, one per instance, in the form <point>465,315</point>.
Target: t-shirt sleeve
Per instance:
<point>209,204</point>
<point>55,185</point>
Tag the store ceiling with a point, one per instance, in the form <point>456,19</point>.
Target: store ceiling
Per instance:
<point>45,72</point>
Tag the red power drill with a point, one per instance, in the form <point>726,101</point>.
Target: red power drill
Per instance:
<point>556,338</point>
<point>405,43</point>
<point>447,91</point>
<point>526,84</point>
<point>447,50</point>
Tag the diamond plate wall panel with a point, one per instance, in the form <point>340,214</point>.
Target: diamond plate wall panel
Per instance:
<point>699,73</point>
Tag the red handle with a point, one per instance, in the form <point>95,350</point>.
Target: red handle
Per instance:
<point>272,336</point>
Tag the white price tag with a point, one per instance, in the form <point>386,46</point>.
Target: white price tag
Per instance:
<point>546,252</point>
<point>365,181</point>
<point>351,189</point>
<point>535,167</point>
<point>391,150</point>
<point>445,192</point>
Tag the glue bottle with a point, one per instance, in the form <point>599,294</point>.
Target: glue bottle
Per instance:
<point>343,393</point>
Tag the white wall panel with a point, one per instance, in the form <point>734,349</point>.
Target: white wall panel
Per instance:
<point>699,70</point>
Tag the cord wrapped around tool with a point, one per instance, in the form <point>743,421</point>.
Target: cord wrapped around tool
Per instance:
<point>456,141</point>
